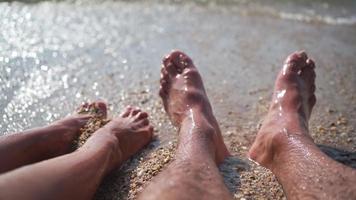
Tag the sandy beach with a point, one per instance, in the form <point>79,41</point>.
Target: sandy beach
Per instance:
<point>55,55</point>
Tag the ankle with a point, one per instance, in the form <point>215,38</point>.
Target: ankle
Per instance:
<point>196,138</point>
<point>298,147</point>
<point>270,146</point>
<point>289,146</point>
<point>197,125</point>
<point>106,144</point>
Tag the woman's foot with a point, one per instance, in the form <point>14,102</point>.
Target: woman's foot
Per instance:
<point>43,143</point>
<point>66,130</point>
<point>290,110</point>
<point>185,100</point>
<point>125,135</point>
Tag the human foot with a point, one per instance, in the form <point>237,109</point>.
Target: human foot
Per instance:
<point>64,131</point>
<point>125,135</point>
<point>290,110</point>
<point>41,143</point>
<point>184,97</point>
<point>98,114</point>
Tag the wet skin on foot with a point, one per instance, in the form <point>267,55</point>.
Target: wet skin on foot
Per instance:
<point>185,100</point>
<point>290,110</point>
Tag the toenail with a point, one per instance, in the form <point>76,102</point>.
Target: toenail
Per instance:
<point>303,54</point>
<point>310,62</point>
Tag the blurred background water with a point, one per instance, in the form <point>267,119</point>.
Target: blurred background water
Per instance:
<point>56,54</point>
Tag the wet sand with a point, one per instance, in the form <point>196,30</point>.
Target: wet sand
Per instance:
<point>53,56</point>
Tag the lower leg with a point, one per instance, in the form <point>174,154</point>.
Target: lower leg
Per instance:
<point>305,172</point>
<point>194,173</point>
<point>78,174</point>
<point>71,176</point>
<point>38,144</point>
<point>285,147</point>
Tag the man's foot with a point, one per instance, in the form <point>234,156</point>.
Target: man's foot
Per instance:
<point>290,110</point>
<point>185,100</point>
<point>125,135</point>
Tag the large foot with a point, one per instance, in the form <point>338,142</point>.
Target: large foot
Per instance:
<point>185,100</point>
<point>290,110</point>
<point>125,135</point>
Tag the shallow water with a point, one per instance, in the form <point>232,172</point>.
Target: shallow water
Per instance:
<point>55,55</point>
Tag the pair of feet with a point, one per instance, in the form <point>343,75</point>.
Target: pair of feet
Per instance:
<point>125,134</point>
<point>183,95</point>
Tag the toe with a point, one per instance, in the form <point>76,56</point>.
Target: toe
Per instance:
<point>142,123</point>
<point>164,72</point>
<point>163,92</point>
<point>164,83</point>
<point>145,122</point>
<point>294,63</point>
<point>310,63</point>
<point>192,78</point>
<point>149,131</point>
<point>135,111</point>
<point>292,68</point>
<point>141,115</point>
<point>166,59</point>
<point>95,108</point>
<point>101,108</point>
<point>84,108</point>
<point>308,75</point>
<point>181,60</point>
<point>127,112</point>
<point>191,73</point>
<point>171,69</point>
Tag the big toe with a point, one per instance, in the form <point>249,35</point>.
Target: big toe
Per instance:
<point>179,60</point>
<point>293,66</point>
<point>294,63</point>
<point>169,67</point>
<point>164,81</point>
<point>94,108</point>
<point>126,112</point>
<point>101,108</point>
